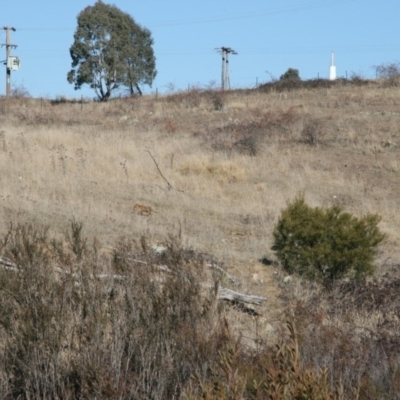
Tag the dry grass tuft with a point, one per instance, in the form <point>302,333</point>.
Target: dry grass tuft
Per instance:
<point>225,171</point>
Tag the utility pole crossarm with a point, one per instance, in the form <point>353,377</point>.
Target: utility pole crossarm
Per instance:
<point>225,51</point>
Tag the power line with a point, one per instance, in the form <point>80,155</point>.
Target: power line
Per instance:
<point>254,14</point>
<point>219,18</point>
<point>47,29</point>
<point>260,52</point>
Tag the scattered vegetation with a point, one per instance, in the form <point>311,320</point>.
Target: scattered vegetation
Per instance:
<point>75,329</point>
<point>352,328</point>
<point>313,131</point>
<point>20,91</point>
<point>139,323</point>
<point>390,73</point>
<point>326,243</point>
<point>293,84</point>
<point>275,374</point>
<point>110,308</point>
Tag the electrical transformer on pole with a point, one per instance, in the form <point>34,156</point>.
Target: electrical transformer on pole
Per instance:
<point>12,63</point>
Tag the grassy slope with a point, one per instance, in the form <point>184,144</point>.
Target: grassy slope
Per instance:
<point>91,163</point>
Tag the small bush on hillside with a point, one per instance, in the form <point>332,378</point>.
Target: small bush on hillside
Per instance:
<point>291,74</point>
<point>217,100</point>
<point>20,91</point>
<point>390,73</point>
<point>313,131</point>
<point>276,373</point>
<point>326,244</point>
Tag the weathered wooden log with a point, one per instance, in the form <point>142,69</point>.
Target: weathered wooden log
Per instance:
<point>7,264</point>
<point>228,294</point>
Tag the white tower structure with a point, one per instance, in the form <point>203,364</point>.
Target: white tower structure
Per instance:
<point>332,68</point>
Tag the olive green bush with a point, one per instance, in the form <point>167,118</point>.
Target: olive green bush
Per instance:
<point>291,74</point>
<point>326,243</point>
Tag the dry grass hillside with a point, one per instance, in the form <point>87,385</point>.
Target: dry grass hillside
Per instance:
<point>216,170</point>
<point>233,160</point>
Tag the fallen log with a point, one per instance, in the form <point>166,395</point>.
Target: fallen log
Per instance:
<point>8,265</point>
<point>228,294</point>
<point>223,293</point>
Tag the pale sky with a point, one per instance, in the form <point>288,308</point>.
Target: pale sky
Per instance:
<point>269,36</point>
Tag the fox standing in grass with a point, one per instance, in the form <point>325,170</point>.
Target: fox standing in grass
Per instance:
<point>142,210</point>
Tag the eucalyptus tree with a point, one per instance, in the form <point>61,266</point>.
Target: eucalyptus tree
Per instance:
<point>110,52</point>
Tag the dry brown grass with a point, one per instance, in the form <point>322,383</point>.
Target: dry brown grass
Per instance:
<point>235,168</point>
<point>89,161</point>
<point>233,161</point>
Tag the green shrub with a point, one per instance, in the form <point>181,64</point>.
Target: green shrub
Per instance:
<point>326,244</point>
<point>291,74</point>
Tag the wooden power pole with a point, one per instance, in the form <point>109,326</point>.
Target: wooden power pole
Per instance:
<point>8,46</point>
<point>225,81</point>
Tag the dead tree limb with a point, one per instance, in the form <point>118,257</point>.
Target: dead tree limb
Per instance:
<point>229,276</point>
<point>161,174</point>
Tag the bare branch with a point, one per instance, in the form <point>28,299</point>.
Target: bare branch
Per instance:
<point>229,276</point>
<point>161,174</point>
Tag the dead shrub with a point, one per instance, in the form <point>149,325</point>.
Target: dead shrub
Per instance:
<point>364,358</point>
<point>270,374</point>
<point>248,136</point>
<point>390,73</point>
<point>26,245</point>
<point>20,91</point>
<point>189,99</point>
<point>170,126</point>
<point>73,329</point>
<point>247,145</point>
<point>313,131</point>
<point>217,99</point>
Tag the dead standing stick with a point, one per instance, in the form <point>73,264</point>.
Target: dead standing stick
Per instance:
<point>161,174</point>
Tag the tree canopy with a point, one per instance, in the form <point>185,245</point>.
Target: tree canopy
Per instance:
<point>291,74</point>
<point>111,51</point>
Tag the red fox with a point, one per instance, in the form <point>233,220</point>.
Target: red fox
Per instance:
<point>143,210</point>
